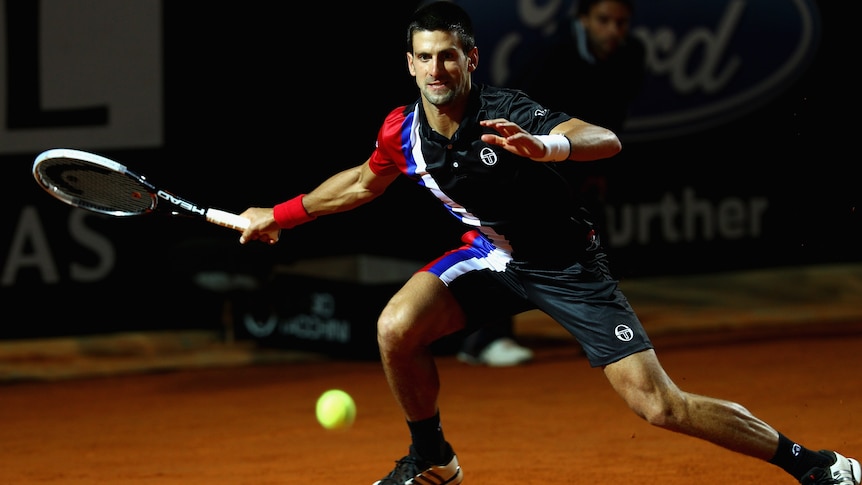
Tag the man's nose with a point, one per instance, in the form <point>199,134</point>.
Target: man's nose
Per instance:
<point>436,66</point>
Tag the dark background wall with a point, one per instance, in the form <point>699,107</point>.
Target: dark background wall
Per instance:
<point>250,108</point>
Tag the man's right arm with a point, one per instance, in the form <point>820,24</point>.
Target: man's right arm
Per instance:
<point>346,190</point>
<point>341,192</point>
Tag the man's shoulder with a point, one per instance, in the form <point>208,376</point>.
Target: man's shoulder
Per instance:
<point>493,90</point>
<point>517,106</point>
<point>397,117</point>
<point>491,94</point>
<point>402,110</point>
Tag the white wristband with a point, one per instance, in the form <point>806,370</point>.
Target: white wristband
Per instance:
<point>558,147</point>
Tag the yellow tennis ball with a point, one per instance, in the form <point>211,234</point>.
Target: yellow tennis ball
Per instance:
<point>335,409</point>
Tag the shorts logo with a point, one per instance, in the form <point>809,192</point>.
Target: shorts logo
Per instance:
<point>593,240</point>
<point>488,157</point>
<point>624,333</point>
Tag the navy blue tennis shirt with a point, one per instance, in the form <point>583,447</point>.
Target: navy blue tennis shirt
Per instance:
<point>523,207</point>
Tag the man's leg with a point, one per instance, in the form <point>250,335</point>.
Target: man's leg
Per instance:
<point>652,395</point>
<point>419,314</point>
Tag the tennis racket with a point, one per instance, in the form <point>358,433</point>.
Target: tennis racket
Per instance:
<point>98,184</point>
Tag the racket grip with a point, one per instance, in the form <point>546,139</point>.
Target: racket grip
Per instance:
<point>227,219</point>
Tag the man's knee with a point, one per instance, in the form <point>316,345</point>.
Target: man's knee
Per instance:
<point>400,328</point>
<point>392,328</point>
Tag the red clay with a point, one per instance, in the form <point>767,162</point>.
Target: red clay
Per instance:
<point>553,421</point>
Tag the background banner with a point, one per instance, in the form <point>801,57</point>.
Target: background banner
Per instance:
<point>732,158</point>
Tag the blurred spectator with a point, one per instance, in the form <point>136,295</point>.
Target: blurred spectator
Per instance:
<point>598,55</point>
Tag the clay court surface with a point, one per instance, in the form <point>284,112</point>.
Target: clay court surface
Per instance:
<point>552,421</point>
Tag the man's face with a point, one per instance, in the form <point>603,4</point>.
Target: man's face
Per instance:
<point>441,68</point>
<point>607,25</point>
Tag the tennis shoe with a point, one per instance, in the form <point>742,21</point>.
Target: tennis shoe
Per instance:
<point>842,471</point>
<point>414,470</point>
<point>503,352</point>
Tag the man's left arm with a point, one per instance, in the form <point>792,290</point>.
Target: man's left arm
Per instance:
<point>587,141</point>
<point>573,139</point>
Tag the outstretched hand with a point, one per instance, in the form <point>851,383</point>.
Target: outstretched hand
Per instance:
<point>513,138</point>
<point>262,226</point>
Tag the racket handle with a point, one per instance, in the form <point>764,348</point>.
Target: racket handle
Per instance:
<point>227,219</point>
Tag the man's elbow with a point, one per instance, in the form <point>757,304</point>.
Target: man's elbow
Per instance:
<point>615,145</point>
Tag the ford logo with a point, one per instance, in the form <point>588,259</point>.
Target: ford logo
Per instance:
<point>713,61</point>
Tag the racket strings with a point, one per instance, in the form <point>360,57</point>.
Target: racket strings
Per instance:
<point>96,188</point>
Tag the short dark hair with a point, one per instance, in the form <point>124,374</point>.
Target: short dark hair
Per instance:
<point>584,6</point>
<point>444,16</point>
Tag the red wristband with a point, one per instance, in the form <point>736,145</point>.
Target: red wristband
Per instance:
<point>291,213</point>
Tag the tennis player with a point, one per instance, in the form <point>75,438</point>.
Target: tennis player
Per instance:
<point>490,156</point>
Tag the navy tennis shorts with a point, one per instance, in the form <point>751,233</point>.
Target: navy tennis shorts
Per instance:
<point>583,297</point>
